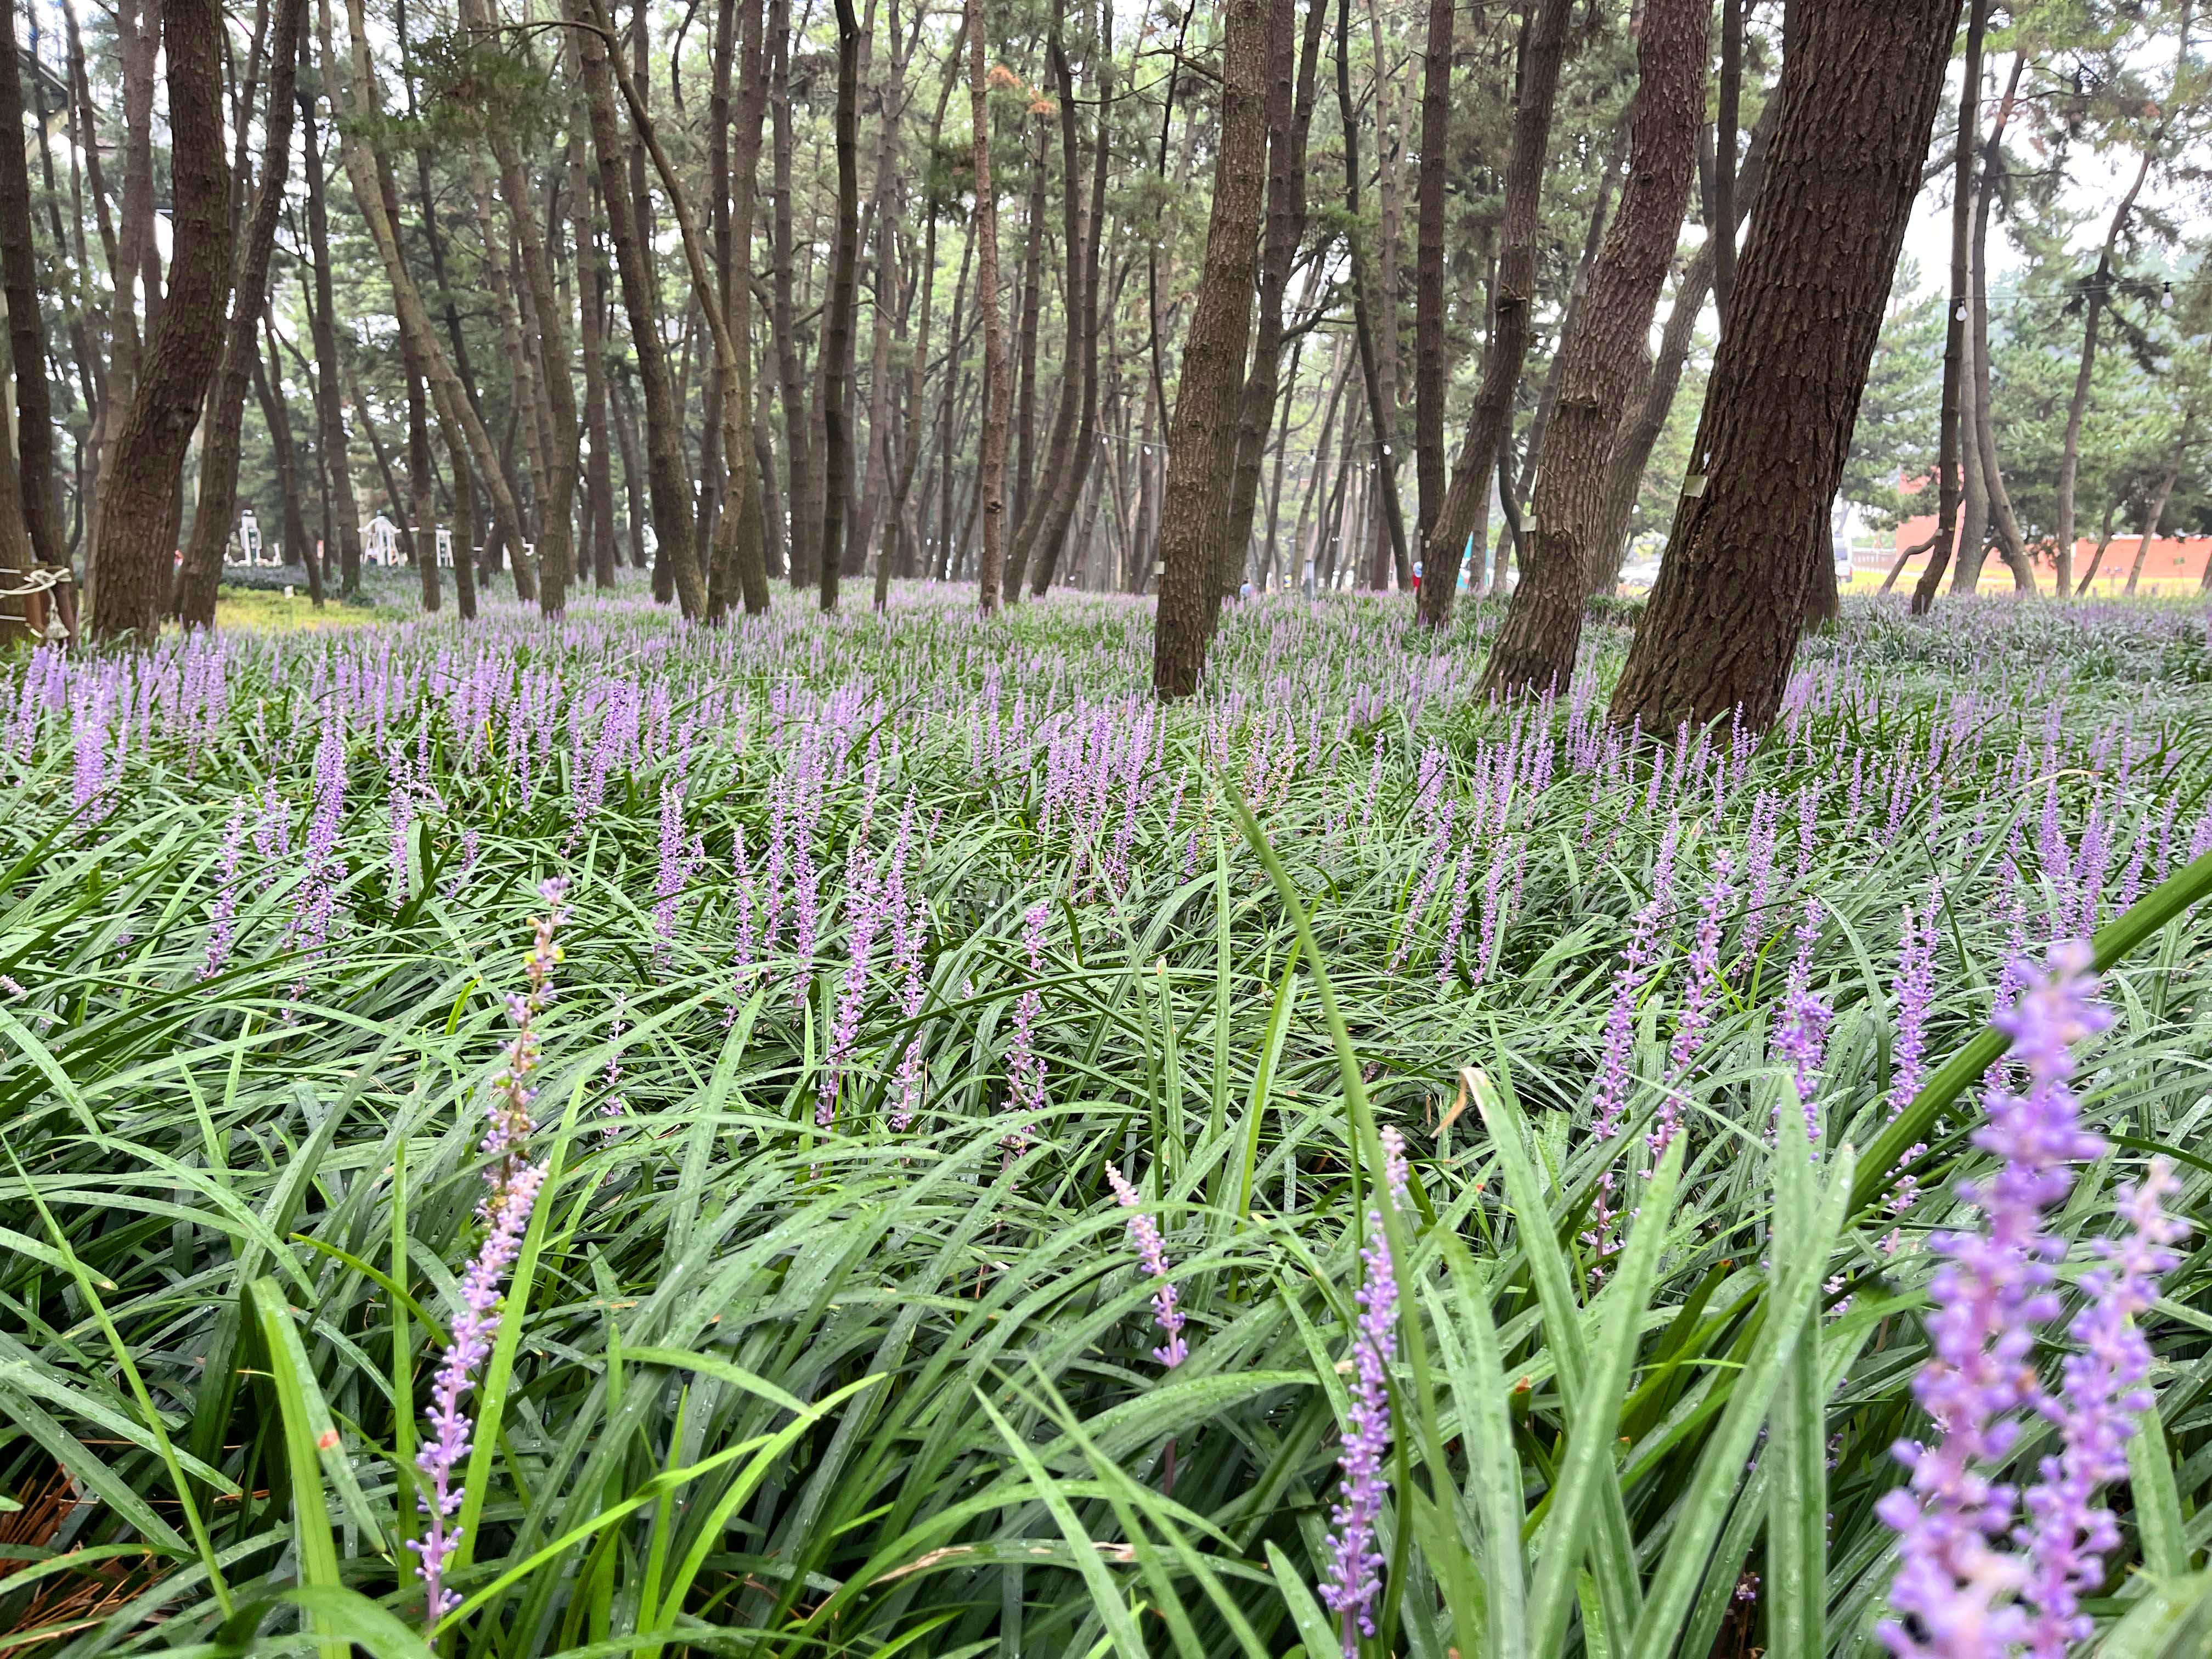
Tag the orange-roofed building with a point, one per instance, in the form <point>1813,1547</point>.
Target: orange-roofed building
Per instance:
<point>2174,566</point>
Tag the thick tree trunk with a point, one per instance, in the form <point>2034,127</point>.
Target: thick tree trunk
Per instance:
<point>139,496</point>
<point>1201,440</point>
<point>991,480</point>
<point>1950,482</point>
<point>1854,104</point>
<point>241,348</point>
<point>667,476</point>
<point>748,488</point>
<point>1464,512</point>
<point>1432,367</point>
<point>1534,651</point>
<point>19,277</point>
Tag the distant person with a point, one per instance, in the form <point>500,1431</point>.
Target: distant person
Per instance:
<point>1417,576</point>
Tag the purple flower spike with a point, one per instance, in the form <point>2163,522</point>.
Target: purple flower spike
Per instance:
<point>1990,1299</point>
<point>1355,1569</point>
<point>1145,1239</point>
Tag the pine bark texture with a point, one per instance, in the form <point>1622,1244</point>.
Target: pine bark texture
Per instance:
<point>991,479</point>
<point>1202,440</point>
<point>1856,102</point>
<point>19,273</point>
<point>1534,651</point>
<point>344,542</point>
<point>139,501</point>
<point>844,289</point>
<point>1463,515</point>
<point>226,412</point>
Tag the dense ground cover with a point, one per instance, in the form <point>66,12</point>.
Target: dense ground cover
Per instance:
<point>878,953</point>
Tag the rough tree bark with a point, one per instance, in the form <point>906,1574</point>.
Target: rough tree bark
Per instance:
<point>242,348</point>
<point>19,275</point>
<point>1468,499</point>
<point>844,289</point>
<point>139,503</point>
<point>1855,101</point>
<point>747,488</point>
<point>991,481</point>
<point>783,327</point>
<point>667,476</point>
<point>1534,651</point>
<point>1202,440</point>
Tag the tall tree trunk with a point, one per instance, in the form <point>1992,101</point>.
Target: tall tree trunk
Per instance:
<point>422,515</point>
<point>1073,473</point>
<point>1028,308</point>
<point>241,347</point>
<point>1201,440</point>
<point>1854,104</point>
<point>139,502</point>
<point>991,480</point>
<point>1431,369</point>
<point>299,547</point>
<point>1648,411</point>
<point>591,294</point>
<point>1380,416</point>
<point>556,483</point>
<point>748,492</point>
<point>798,457</point>
<point>1290,95</point>
<point>844,288</point>
<point>330,397</point>
<point>1949,480</point>
<point>1724,165</point>
<point>2069,452</point>
<point>1534,651</point>
<point>667,476</point>
<point>363,169</point>
<point>1463,518</point>
<point>18,279</point>
<point>2012,544</point>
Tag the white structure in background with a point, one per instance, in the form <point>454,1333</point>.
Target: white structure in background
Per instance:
<point>380,542</point>
<point>247,549</point>
<point>445,545</point>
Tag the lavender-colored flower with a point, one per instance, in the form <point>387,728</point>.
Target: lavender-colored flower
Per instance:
<point>1354,1576</point>
<point>1697,1010</point>
<point>222,914</point>
<point>1145,1239</point>
<point>865,900</point>
<point>2069,1534</point>
<point>1988,1298</point>
<point>475,1327</point>
<point>1621,1029</point>
<point>1916,986</point>
<point>1801,1035</point>
<point>1024,1066</point>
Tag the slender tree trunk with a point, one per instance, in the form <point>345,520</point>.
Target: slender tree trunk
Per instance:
<point>1534,651</point>
<point>1201,441</point>
<point>2154,515</point>
<point>666,474</point>
<point>299,546</point>
<point>797,450</point>
<point>844,288</point>
<point>991,481</point>
<point>202,573</point>
<point>330,398</point>
<point>2104,541</point>
<point>2012,543</point>
<point>1027,310</point>
<point>1072,475</point>
<point>1724,165</point>
<point>2069,453</point>
<point>363,169</point>
<point>1949,479</point>
<point>18,279</point>
<point>139,501</point>
<point>1292,78</point>
<point>1462,519</point>
<point>590,290</point>
<point>1854,104</point>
